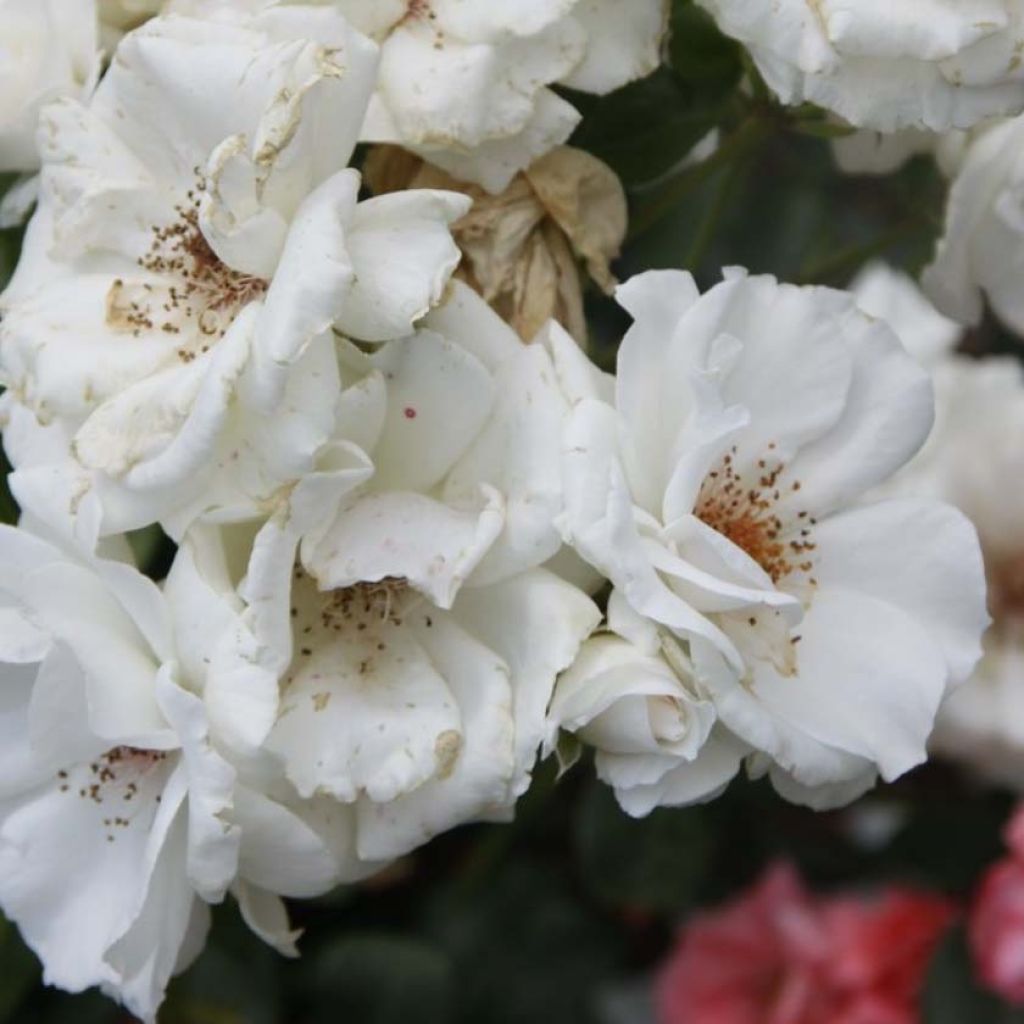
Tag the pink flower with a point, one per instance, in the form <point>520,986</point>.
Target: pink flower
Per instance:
<point>779,955</point>
<point>996,927</point>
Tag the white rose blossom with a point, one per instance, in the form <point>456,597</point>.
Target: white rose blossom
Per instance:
<point>981,252</point>
<point>632,698</point>
<point>398,594</point>
<point>719,494</point>
<point>890,295</point>
<point>887,64</point>
<point>174,308</point>
<point>466,85</point>
<point>979,408</point>
<point>120,816</point>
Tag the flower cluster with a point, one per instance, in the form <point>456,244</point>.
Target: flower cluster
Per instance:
<point>418,546</point>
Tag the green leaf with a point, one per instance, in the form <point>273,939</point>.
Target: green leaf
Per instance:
<point>525,947</point>
<point>382,979</point>
<point>19,974</point>
<point>568,751</point>
<point>698,52</point>
<point>646,128</point>
<point>657,863</point>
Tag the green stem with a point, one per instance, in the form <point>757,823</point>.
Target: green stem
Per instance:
<point>841,264</point>
<point>745,138</point>
<point>705,233</point>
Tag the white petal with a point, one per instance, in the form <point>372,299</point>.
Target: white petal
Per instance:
<point>868,683</point>
<point>920,557</point>
<point>691,782</point>
<point>514,454</point>
<point>889,412</point>
<point>367,713</point>
<point>438,398</point>
<point>212,859</point>
<point>72,891</point>
<point>402,256</point>
<point>536,623</point>
<point>267,916</point>
<point>481,762</point>
<point>315,273</point>
<point>407,536</point>
<point>469,92</point>
<point>280,852</point>
<point>623,43</point>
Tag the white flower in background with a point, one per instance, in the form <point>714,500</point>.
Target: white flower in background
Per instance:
<point>973,459</point>
<point>179,284</point>
<point>890,295</point>
<point>719,495</point>
<point>981,252</point>
<point>48,48</point>
<point>466,85</point>
<point>398,595</point>
<point>887,64</point>
<point>631,696</point>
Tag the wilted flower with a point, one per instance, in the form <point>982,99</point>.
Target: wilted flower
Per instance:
<point>522,248</point>
<point>720,495</point>
<point>886,66</point>
<point>780,954</point>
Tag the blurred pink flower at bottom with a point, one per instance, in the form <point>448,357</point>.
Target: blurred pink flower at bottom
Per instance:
<point>780,955</point>
<point>995,930</point>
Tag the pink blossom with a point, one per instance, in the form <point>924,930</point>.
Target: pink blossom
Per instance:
<point>780,955</point>
<point>996,925</point>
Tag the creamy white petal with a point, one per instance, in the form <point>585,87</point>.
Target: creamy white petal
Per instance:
<point>402,256</point>
<point>623,42</point>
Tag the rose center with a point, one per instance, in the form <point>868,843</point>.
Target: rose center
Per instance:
<point>199,295</point>
<point>744,508</point>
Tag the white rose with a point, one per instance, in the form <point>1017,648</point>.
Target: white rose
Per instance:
<point>887,64</point>
<point>981,252</point>
<point>719,494</point>
<point>630,694</point>
<point>181,281</point>
<point>398,592</point>
<point>888,294</point>
<point>972,459</point>
<point>124,808</point>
